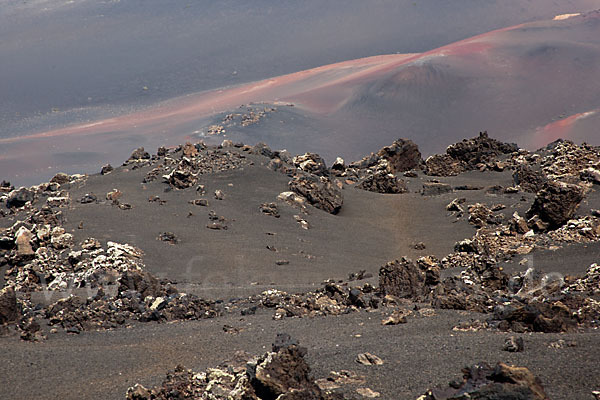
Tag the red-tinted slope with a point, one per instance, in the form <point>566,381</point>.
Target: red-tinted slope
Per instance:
<point>509,82</point>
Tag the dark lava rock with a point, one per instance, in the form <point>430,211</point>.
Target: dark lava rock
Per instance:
<point>140,281</point>
<point>319,191</point>
<point>61,178</point>
<point>435,188</point>
<point>528,179</point>
<point>338,166</point>
<point>270,209</point>
<point>454,294</point>
<point>556,203</point>
<point>402,155</point>
<point>483,382</point>
<point>403,279</point>
<point>479,150</point>
<point>590,175</point>
<point>480,215</point>
<point>513,344</point>
<point>88,198</point>
<point>18,198</point>
<point>311,163</point>
<point>200,202</point>
<point>262,149</point>
<point>444,165</point>
<point>282,372</point>
<point>182,179</point>
<point>383,182</point>
<point>6,243</point>
<point>189,150</point>
<point>473,290</point>
<point>467,155</point>
<point>107,169</point>
<point>31,330</point>
<point>139,154</point>
<point>217,226</point>
<point>534,317</point>
<point>8,306</point>
<point>5,186</point>
<point>278,165</point>
<point>161,151</point>
<point>168,237</point>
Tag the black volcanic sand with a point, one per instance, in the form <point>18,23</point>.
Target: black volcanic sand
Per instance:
<point>417,355</point>
<point>370,230</point>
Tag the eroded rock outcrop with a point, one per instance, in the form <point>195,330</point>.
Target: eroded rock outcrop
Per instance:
<point>282,373</point>
<point>467,155</point>
<point>321,192</point>
<point>556,203</point>
<point>383,182</point>
<point>482,381</point>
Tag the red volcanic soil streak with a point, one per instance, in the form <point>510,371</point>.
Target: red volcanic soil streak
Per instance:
<point>321,90</point>
<point>168,115</point>
<point>559,129</point>
<point>496,89</point>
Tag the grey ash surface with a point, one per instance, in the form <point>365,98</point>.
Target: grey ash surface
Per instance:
<point>370,230</point>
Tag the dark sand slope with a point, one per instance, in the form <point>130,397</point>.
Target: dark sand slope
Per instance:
<point>510,82</point>
<point>370,229</point>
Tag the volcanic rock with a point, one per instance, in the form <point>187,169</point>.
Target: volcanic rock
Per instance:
<point>590,175</point>
<point>528,179</point>
<point>8,306</point>
<point>106,169</point>
<point>311,163</point>
<point>140,281</point>
<point>402,278</point>
<point>262,149</point>
<point>481,381</point>
<point>88,198</point>
<point>338,166</point>
<point>200,202</point>
<point>219,195</point>
<point>181,178</point>
<point>20,197</point>
<point>468,155</point>
<point>23,241</point>
<point>383,182</point>
<point>114,195</point>
<point>397,317</point>
<point>455,205</point>
<point>518,224</point>
<point>402,155</point>
<point>368,359</point>
<point>280,374</point>
<point>270,209</point>
<point>61,178</point>
<point>513,344</point>
<point>189,150</point>
<point>480,215</point>
<point>6,187</point>
<point>556,203</point>
<point>168,237</point>
<point>479,150</point>
<point>534,316</point>
<point>319,191</point>
<point>139,154</point>
<point>443,165</point>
